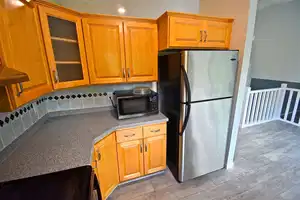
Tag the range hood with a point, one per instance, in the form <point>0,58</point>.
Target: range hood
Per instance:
<point>10,76</point>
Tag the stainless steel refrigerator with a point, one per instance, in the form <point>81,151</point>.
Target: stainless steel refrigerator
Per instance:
<point>196,90</point>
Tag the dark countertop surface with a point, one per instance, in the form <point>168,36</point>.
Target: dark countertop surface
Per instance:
<point>65,142</point>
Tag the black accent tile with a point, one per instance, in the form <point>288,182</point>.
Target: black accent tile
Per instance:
<point>68,96</point>
<point>12,117</point>
<point>114,93</point>
<point>90,95</point>
<point>100,94</point>
<point>21,112</point>
<point>37,103</point>
<point>105,94</point>
<point>31,106</point>
<point>62,97</point>
<point>42,99</point>
<point>28,107</point>
<point>95,94</point>
<point>84,95</point>
<point>25,110</point>
<point>56,98</point>
<point>1,123</point>
<point>73,96</point>
<point>50,98</point>
<point>17,114</point>
<point>79,95</point>
<point>6,120</point>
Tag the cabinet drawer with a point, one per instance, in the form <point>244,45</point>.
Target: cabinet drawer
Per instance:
<point>153,130</point>
<point>129,134</point>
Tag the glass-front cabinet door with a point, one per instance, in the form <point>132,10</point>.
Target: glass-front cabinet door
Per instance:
<point>64,44</point>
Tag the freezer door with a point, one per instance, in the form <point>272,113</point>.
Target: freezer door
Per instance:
<point>211,74</point>
<point>203,144</point>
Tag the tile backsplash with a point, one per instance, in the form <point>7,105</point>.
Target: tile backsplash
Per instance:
<point>14,124</point>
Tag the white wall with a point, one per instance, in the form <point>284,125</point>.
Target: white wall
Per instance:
<point>275,53</point>
<point>137,8</point>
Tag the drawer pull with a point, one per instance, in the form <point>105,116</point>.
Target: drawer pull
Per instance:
<point>141,148</point>
<point>201,36</point>
<point>99,155</point>
<point>205,39</point>
<point>146,148</point>
<point>21,89</point>
<point>129,135</point>
<point>155,131</point>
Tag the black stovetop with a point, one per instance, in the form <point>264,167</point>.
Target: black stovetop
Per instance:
<point>72,184</point>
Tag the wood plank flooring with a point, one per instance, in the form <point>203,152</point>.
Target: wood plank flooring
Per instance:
<point>267,167</point>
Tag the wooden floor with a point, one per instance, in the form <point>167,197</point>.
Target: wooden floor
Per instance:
<point>267,167</point>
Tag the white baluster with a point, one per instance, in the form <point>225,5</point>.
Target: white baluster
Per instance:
<point>253,108</point>
<point>295,107</point>
<point>287,109</point>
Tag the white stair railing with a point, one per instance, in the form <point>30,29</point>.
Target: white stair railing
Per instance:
<point>268,104</point>
<point>290,112</point>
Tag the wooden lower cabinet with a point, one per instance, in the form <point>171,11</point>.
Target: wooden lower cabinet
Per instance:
<point>131,161</point>
<point>129,154</point>
<point>155,154</point>
<point>106,165</point>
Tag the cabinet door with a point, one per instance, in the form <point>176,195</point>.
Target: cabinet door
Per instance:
<point>186,32</point>
<point>141,49</point>
<point>22,48</point>
<point>130,156</point>
<point>217,34</point>
<point>104,42</point>
<point>155,154</point>
<point>106,168</point>
<point>65,48</point>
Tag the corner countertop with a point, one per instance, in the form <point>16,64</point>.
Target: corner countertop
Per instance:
<point>65,142</point>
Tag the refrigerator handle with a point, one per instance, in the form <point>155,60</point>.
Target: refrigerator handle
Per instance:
<point>188,101</point>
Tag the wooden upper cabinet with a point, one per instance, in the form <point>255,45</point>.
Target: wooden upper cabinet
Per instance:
<point>155,154</point>
<point>106,165</point>
<point>141,50</point>
<point>64,45</point>
<point>104,42</point>
<point>21,48</point>
<point>217,34</point>
<point>131,159</point>
<point>179,30</point>
<point>186,32</point>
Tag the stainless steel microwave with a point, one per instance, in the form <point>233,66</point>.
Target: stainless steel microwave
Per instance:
<point>129,105</point>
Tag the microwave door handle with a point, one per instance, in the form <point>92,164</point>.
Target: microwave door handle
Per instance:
<point>188,102</point>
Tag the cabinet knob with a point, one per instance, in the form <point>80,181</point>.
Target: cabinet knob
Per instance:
<point>99,155</point>
<point>124,73</point>
<point>129,135</point>
<point>21,89</point>
<point>201,36</point>
<point>55,75</point>
<point>205,38</point>
<point>155,131</point>
<point>128,72</point>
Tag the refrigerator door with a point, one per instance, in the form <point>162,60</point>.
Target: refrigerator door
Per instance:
<point>203,144</point>
<point>211,74</point>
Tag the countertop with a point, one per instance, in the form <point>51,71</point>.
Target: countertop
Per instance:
<point>65,142</point>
